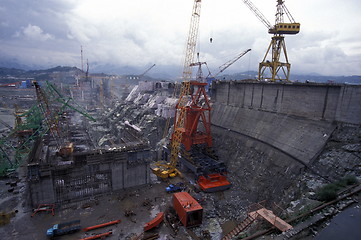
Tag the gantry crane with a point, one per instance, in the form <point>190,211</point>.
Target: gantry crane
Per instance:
<point>279,71</point>
<point>168,169</point>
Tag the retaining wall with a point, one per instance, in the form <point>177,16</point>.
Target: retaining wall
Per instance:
<point>293,118</point>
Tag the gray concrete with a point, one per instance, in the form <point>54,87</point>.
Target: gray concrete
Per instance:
<point>89,174</point>
<point>349,105</point>
<point>295,119</point>
<point>330,102</point>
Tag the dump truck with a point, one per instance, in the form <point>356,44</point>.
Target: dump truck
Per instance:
<point>63,228</point>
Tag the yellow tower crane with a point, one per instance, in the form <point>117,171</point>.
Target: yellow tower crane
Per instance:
<point>277,70</point>
<point>168,169</point>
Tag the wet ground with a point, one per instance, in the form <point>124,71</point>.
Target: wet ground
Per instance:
<point>91,212</point>
<point>142,204</point>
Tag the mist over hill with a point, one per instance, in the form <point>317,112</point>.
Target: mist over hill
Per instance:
<point>163,73</point>
<point>355,79</point>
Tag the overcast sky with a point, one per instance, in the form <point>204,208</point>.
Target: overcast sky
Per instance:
<point>139,33</point>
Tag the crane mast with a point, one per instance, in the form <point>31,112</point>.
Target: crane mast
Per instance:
<point>272,68</point>
<point>165,170</point>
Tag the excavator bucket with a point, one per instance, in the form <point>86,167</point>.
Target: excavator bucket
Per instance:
<point>213,182</point>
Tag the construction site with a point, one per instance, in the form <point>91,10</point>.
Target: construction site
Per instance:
<point>122,157</point>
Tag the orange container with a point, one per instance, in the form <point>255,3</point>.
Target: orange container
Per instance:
<point>189,211</point>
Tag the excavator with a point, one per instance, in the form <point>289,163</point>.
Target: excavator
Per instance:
<point>189,142</point>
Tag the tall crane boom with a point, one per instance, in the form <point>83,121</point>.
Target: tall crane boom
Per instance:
<point>258,14</point>
<point>230,62</point>
<point>141,75</point>
<point>191,41</point>
<point>165,170</point>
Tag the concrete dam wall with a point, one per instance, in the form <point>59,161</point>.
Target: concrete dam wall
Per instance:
<point>290,119</point>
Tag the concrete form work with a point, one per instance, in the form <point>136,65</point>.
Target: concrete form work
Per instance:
<point>277,114</point>
<point>88,174</point>
<point>90,169</point>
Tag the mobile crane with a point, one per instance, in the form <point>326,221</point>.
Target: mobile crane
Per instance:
<point>190,143</point>
<point>277,48</point>
<point>165,170</point>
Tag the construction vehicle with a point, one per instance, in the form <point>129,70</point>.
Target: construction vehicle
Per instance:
<point>63,228</point>
<point>175,187</point>
<point>168,169</point>
<point>192,108</point>
<point>277,69</point>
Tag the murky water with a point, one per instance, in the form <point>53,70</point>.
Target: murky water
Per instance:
<point>345,226</point>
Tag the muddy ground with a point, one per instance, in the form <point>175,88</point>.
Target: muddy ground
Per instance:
<point>144,202</point>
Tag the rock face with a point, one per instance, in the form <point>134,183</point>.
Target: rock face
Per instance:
<point>342,154</point>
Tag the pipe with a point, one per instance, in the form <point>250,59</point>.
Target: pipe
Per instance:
<point>97,236</point>
<point>101,225</point>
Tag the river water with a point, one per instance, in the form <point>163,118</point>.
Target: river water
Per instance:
<point>345,226</point>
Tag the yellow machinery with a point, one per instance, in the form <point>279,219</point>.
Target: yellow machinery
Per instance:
<point>168,169</point>
<point>277,70</point>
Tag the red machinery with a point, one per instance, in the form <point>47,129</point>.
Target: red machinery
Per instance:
<point>195,111</point>
<point>193,105</point>
<point>212,179</point>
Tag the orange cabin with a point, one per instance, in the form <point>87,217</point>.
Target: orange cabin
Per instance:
<point>189,211</point>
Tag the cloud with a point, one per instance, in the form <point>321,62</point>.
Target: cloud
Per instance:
<point>36,33</point>
<point>140,33</point>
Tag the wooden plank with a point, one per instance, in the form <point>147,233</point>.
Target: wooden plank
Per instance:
<point>273,219</point>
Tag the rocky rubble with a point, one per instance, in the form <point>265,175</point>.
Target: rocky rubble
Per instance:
<point>342,154</point>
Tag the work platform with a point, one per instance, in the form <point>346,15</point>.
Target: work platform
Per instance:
<point>258,212</point>
<point>271,218</point>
